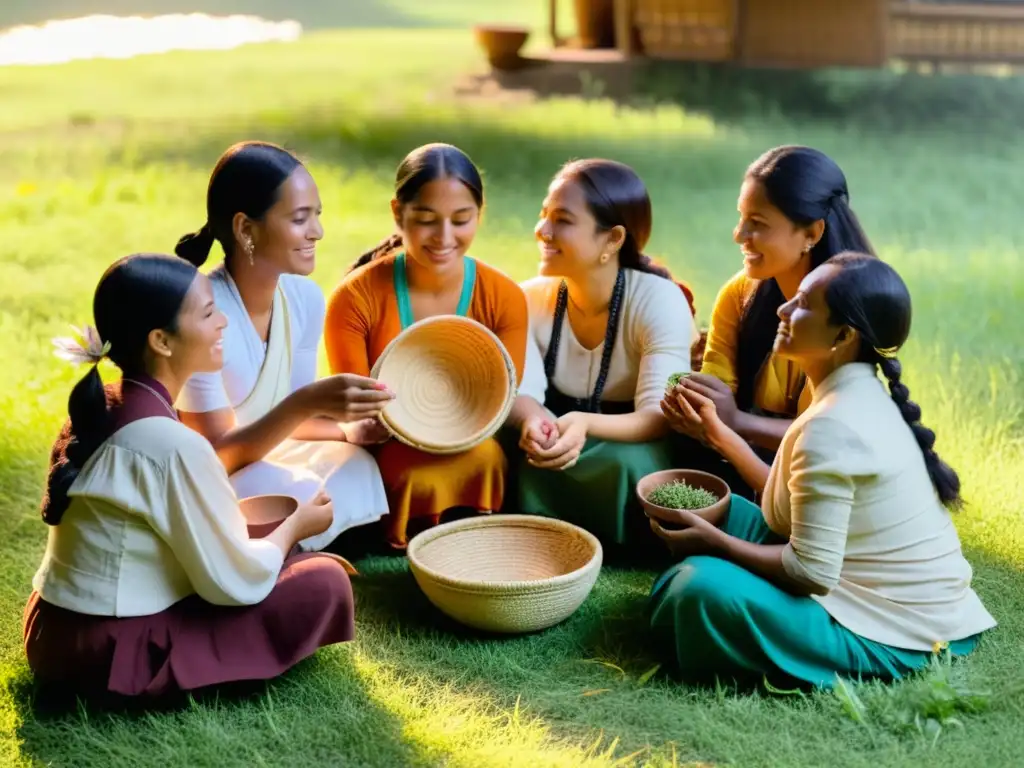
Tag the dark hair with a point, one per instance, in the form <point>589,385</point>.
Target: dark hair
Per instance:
<point>247,179</point>
<point>420,167</point>
<point>806,186</point>
<point>135,296</point>
<point>869,295</point>
<point>617,197</point>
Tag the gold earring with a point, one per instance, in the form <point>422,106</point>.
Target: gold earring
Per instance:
<point>249,249</point>
<point>604,258</point>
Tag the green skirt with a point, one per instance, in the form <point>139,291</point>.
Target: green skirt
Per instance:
<point>598,493</point>
<point>720,620</point>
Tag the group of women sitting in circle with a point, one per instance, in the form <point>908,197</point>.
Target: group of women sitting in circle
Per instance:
<point>850,565</point>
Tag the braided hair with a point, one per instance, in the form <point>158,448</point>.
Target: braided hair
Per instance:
<point>867,294</point>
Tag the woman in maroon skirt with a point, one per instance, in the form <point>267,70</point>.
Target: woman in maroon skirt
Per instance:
<point>150,583</point>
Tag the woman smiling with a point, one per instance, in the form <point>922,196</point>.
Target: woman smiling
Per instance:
<point>277,428</point>
<point>852,566</point>
<point>150,583</point>
<point>608,328</point>
<point>794,214</point>
<point>421,271</point>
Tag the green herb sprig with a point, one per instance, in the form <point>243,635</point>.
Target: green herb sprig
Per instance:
<point>675,378</point>
<point>678,494</point>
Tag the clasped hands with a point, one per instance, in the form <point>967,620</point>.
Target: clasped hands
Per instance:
<point>554,444</point>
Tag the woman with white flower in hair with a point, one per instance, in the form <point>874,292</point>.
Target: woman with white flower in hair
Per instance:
<point>150,583</point>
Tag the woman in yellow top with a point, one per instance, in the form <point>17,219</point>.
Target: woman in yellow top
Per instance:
<point>794,215</point>
<point>422,271</point>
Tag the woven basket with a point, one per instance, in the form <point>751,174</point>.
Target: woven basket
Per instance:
<point>454,380</point>
<point>506,573</point>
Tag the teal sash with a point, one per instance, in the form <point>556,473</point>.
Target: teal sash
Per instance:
<point>402,289</point>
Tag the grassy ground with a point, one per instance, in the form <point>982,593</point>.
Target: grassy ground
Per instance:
<point>98,159</point>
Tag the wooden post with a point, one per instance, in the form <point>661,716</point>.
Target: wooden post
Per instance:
<point>624,27</point>
<point>553,22</point>
<point>739,31</point>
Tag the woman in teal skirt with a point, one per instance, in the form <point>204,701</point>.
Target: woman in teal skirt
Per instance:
<point>607,329</point>
<point>852,566</point>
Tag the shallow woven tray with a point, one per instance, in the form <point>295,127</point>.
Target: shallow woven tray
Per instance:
<point>506,573</point>
<point>455,383</point>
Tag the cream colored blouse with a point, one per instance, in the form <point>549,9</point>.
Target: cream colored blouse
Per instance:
<point>656,330</point>
<point>850,490</point>
<point>152,520</point>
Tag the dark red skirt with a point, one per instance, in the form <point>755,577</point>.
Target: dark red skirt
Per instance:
<point>193,643</point>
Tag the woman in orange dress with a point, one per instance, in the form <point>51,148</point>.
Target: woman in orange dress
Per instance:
<point>421,271</point>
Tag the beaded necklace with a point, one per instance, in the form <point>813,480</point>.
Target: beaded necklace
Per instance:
<point>591,404</point>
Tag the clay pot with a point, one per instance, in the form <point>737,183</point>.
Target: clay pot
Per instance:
<point>502,44</point>
<point>671,518</point>
<point>264,513</point>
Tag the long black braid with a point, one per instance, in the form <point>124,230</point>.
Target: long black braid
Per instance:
<point>867,294</point>
<point>945,480</point>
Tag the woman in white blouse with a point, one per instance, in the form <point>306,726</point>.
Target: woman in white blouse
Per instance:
<point>150,583</point>
<point>607,330</point>
<point>852,567</point>
<point>270,419</point>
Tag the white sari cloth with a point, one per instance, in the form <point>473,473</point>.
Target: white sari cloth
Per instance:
<point>256,377</point>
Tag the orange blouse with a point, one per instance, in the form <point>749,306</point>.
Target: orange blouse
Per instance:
<point>363,316</point>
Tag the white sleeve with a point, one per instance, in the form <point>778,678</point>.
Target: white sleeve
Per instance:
<point>308,305</point>
<point>540,301</point>
<point>535,380</point>
<point>821,490</point>
<point>203,526</point>
<point>662,327</point>
<point>202,393</point>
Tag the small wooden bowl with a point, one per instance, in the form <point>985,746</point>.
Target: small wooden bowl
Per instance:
<point>671,518</point>
<point>264,513</point>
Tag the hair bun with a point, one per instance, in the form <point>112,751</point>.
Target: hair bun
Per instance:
<point>195,247</point>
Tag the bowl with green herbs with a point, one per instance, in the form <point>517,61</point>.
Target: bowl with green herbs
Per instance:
<point>663,494</point>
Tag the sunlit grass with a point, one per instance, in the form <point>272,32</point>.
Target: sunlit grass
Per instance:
<point>98,159</point>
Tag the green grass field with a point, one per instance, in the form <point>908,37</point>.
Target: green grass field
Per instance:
<point>99,159</point>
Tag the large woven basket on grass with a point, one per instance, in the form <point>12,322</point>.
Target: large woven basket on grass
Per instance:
<point>454,380</point>
<point>506,573</point>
